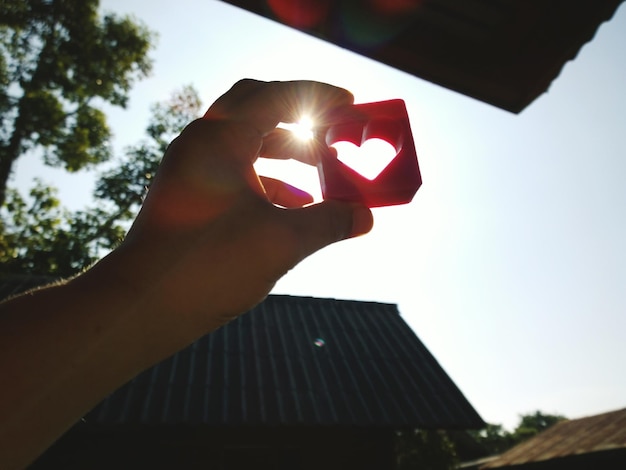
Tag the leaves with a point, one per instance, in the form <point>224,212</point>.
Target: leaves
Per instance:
<point>106,60</point>
<point>84,142</point>
<point>495,439</point>
<point>46,115</point>
<point>125,184</point>
<point>38,236</point>
<point>532,424</point>
<point>56,58</point>
<point>425,449</point>
<point>430,449</point>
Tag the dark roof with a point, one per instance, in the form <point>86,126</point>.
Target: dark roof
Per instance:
<point>293,361</point>
<point>298,361</point>
<point>503,52</point>
<point>599,433</point>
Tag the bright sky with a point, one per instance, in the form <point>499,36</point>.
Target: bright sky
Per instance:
<point>509,264</point>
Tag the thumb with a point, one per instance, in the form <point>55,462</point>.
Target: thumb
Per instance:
<point>328,222</point>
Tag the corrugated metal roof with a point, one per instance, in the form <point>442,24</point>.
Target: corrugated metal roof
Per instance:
<point>293,361</point>
<point>298,361</point>
<point>503,52</point>
<point>603,432</point>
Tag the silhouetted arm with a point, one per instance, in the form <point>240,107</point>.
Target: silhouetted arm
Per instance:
<point>208,244</point>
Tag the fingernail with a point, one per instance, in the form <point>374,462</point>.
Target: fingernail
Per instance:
<point>362,220</point>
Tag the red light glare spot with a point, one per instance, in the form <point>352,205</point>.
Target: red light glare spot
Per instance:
<point>301,14</point>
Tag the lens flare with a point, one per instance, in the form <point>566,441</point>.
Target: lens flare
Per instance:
<point>302,130</point>
<point>302,14</point>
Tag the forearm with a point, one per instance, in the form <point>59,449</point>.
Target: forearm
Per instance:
<point>63,349</point>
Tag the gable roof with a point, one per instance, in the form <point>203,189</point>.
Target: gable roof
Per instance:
<point>599,433</point>
<point>293,361</point>
<point>503,52</point>
<point>298,361</point>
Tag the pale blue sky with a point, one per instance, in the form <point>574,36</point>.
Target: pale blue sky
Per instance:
<point>510,262</point>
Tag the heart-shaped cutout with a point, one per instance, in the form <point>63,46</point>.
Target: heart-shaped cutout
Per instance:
<point>369,159</point>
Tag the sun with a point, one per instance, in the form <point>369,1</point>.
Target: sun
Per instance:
<point>302,130</point>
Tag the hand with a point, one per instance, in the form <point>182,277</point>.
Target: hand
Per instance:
<point>210,241</point>
<point>208,244</point>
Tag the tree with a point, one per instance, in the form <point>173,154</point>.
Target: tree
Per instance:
<point>125,185</point>
<point>493,439</point>
<point>40,237</point>
<point>532,424</point>
<point>424,449</point>
<point>58,59</point>
<point>443,450</point>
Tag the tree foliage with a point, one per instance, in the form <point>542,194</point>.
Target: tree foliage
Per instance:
<point>532,424</point>
<point>425,449</point>
<point>494,439</point>
<point>444,450</point>
<point>124,186</point>
<point>58,59</point>
<point>40,237</point>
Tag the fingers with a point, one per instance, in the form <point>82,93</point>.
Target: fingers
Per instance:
<point>264,104</point>
<point>321,224</point>
<point>283,194</point>
<point>282,144</point>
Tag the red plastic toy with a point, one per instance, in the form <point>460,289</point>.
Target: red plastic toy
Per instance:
<point>398,182</point>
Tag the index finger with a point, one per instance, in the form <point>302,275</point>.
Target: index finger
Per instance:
<point>263,105</point>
